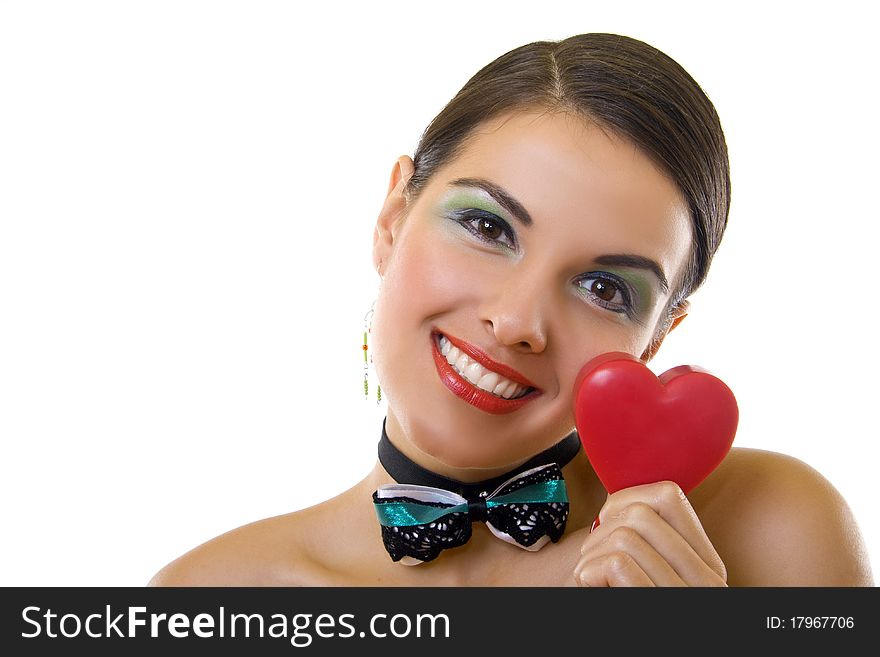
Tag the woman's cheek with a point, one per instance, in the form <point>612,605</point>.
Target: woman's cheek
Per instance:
<point>438,274</point>
<point>440,271</point>
<point>422,282</point>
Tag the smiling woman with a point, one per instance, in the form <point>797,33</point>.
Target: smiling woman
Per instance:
<point>540,299</point>
<point>563,205</point>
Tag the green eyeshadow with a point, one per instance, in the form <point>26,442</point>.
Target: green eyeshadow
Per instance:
<point>460,198</point>
<point>643,288</point>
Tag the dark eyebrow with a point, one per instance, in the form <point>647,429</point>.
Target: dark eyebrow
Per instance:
<point>515,208</point>
<point>503,199</point>
<point>639,262</point>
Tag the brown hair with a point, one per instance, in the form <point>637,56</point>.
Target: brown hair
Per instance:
<point>622,84</point>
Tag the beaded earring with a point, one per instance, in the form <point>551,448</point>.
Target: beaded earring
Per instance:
<point>368,359</point>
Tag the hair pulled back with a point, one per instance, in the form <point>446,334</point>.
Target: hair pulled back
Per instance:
<point>623,85</point>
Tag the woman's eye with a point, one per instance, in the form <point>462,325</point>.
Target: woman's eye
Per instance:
<point>607,292</point>
<point>604,290</point>
<point>487,227</point>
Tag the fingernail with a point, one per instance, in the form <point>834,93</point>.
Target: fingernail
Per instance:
<point>594,525</point>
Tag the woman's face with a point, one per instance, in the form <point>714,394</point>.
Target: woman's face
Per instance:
<point>546,242</point>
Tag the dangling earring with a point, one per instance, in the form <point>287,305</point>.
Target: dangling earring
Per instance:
<point>368,325</point>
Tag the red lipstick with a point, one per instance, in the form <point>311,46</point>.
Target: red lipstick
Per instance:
<point>470,393</point>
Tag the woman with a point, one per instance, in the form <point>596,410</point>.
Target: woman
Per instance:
<point>564,204</point>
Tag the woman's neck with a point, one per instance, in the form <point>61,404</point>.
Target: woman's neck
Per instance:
<point>405,470</point>
<point>404,445</point>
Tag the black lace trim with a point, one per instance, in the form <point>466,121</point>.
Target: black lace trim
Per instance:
<point>526,523</point>
<point>425,542</point>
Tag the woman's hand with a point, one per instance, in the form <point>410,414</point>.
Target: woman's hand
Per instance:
<point>649,536</point>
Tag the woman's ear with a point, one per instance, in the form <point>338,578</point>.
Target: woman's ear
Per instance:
<point>678,313</point>
<point>392,211</point>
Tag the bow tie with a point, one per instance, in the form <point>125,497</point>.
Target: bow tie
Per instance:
<point>419,522</point>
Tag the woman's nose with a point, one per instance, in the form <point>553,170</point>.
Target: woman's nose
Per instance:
<point>516,315</point>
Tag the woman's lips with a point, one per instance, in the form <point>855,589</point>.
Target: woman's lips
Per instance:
<point>483,359</point>
<point>470,393</point>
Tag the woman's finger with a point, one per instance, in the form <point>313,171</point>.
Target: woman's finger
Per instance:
<point>615,569</point>
<point>626,540</point>
<point>668,501</point>
<point>663,553</point>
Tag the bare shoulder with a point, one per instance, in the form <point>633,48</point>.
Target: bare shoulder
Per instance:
<point>776,521</point>
<point>333,543</point>
<point>322,545</point>
<point>274,551</point>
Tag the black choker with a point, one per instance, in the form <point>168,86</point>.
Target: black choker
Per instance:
<point>405,470</point>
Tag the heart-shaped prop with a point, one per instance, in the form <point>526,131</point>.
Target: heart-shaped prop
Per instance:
<point>638,428</point>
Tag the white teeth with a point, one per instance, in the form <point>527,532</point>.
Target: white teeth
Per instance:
<point>474,372</point>
<point>479,375</point>
<point>488,382</point>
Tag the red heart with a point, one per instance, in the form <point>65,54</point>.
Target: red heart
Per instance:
<point>637,428</point>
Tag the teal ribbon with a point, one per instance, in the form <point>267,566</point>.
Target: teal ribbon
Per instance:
<point>407,514</point>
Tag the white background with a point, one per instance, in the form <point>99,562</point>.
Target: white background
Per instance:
<point>187,196</point>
